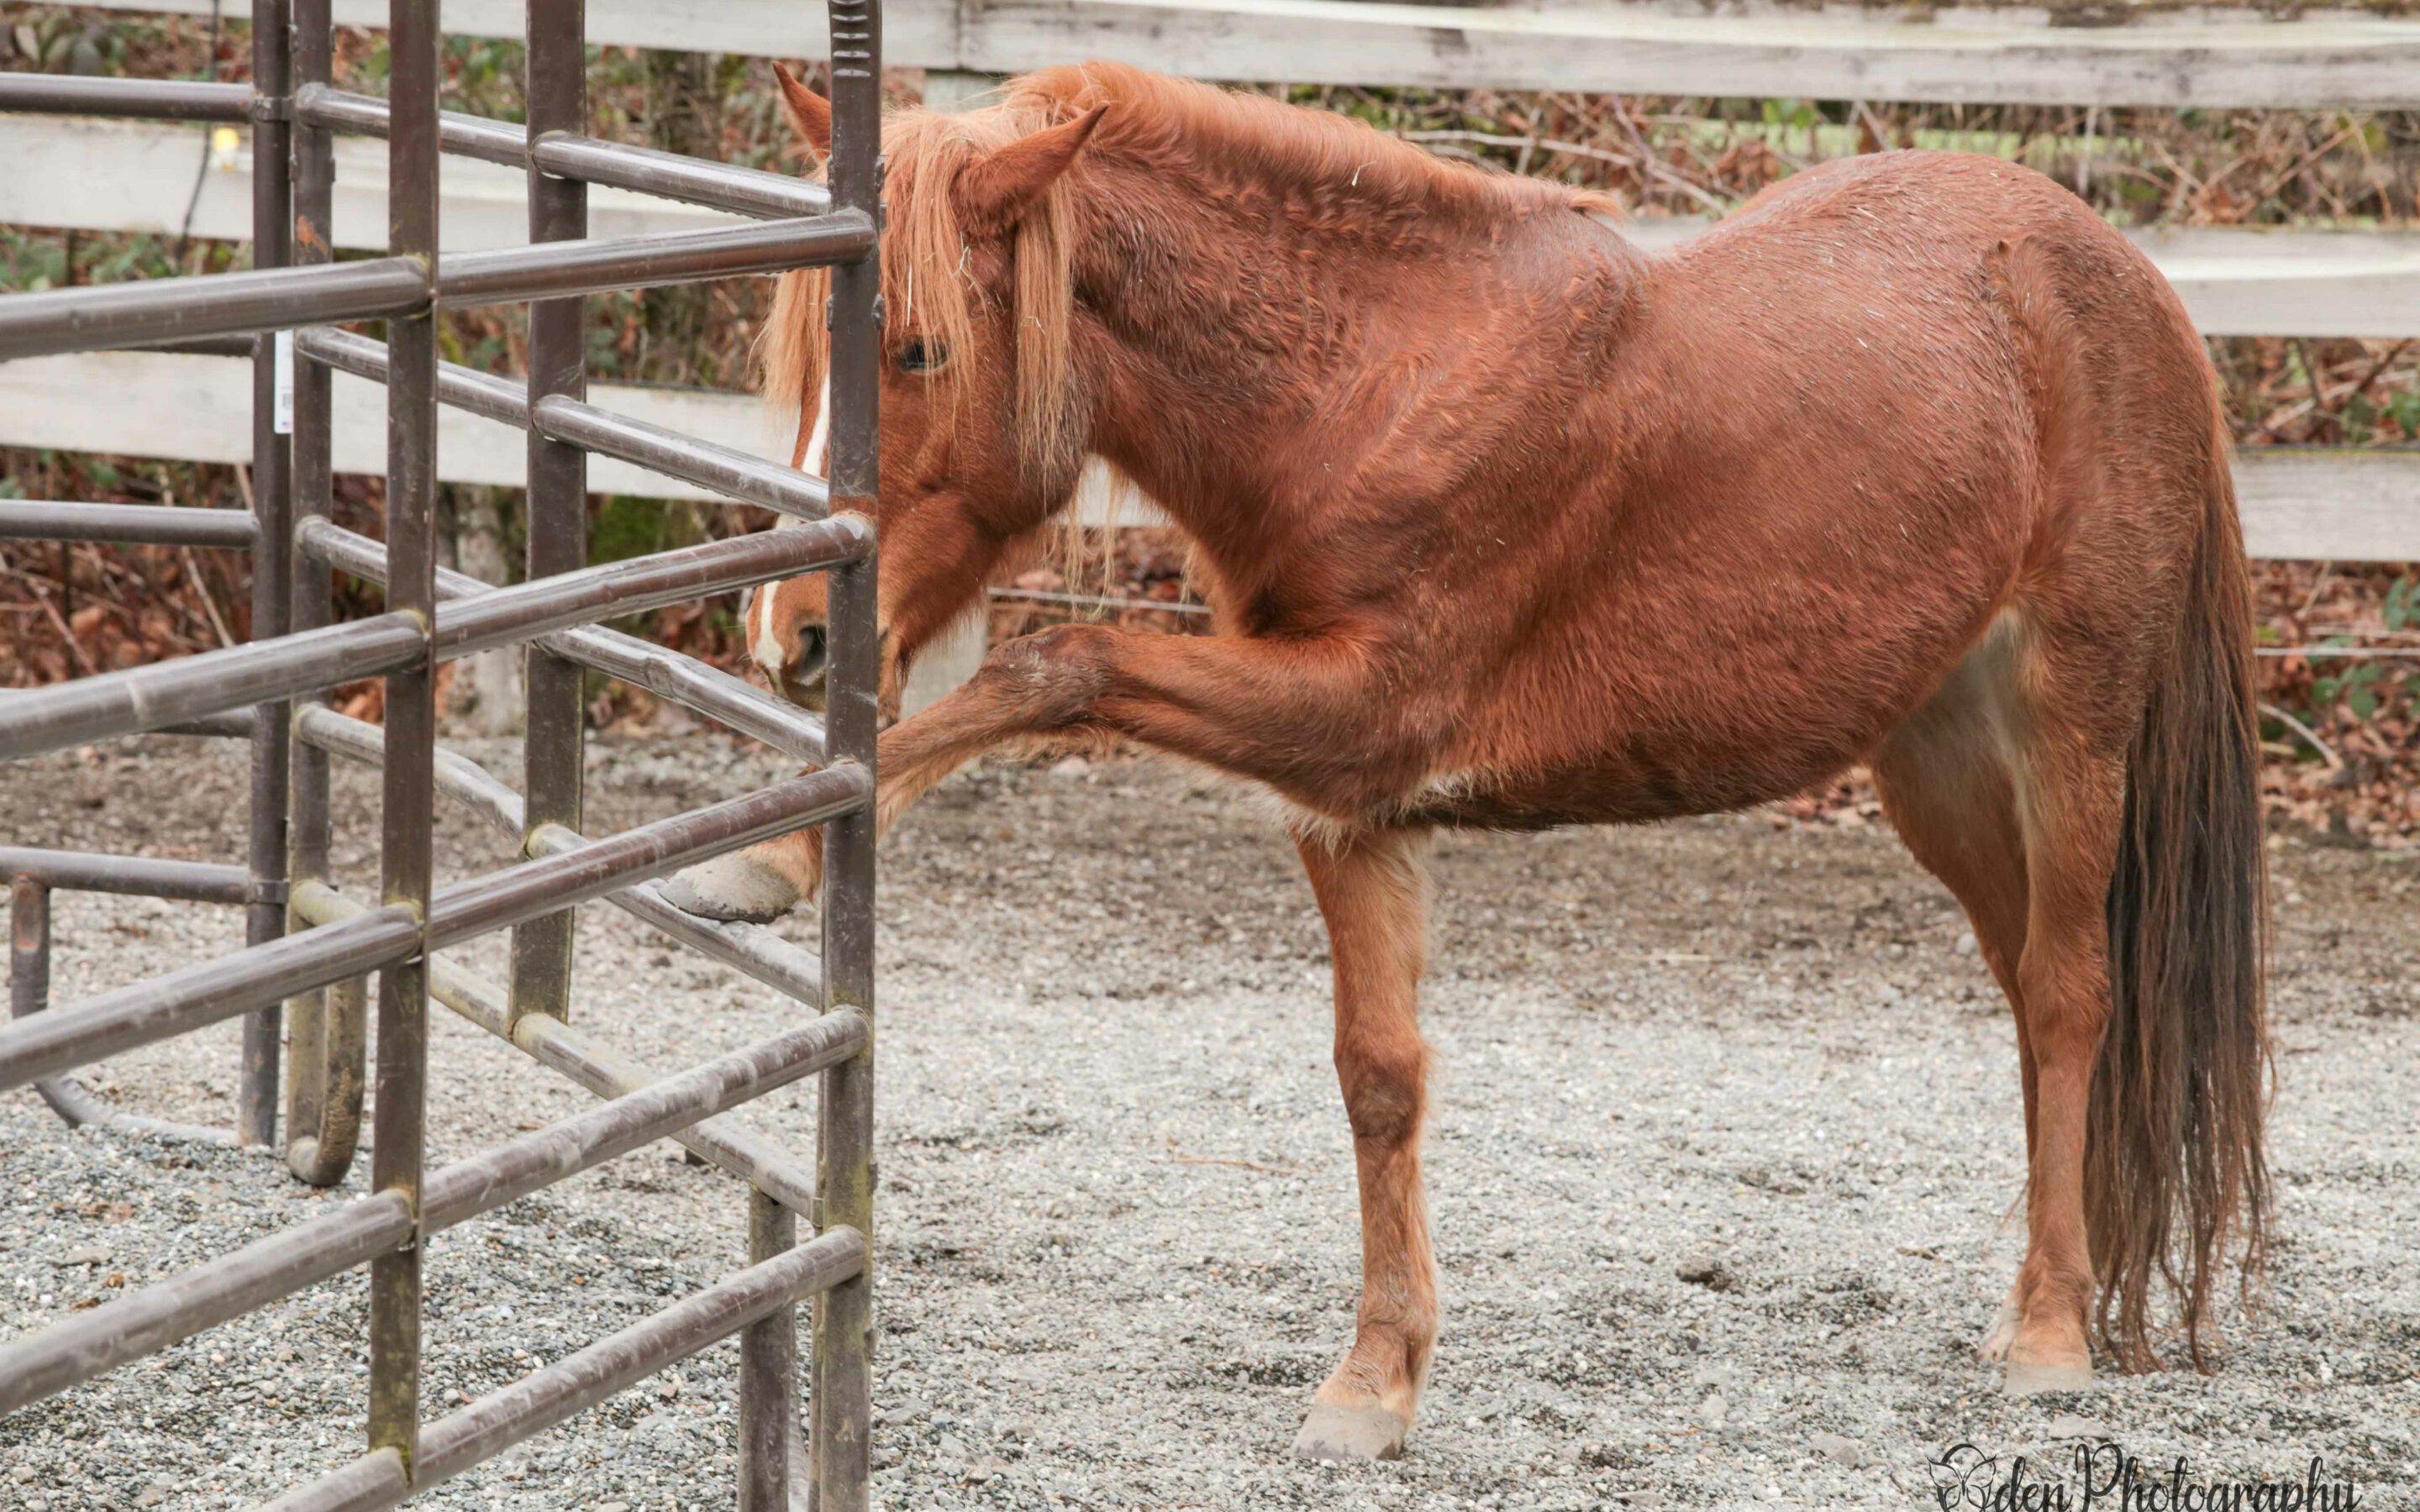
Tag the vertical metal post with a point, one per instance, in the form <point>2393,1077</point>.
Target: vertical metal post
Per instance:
<point>309,597</point>
<point>272,505</point>
<point>29,947</point>
<point>844,1318</point>
<point>769,1372</point>
<point>558,493</point>
<point>411,723</point>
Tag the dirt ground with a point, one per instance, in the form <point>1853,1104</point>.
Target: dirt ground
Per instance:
<point>1117,1242</point>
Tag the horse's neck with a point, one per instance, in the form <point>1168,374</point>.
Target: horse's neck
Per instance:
<point>1253,351</point>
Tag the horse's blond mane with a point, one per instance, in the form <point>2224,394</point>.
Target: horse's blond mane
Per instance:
<point>928,288</point>
<point>926,284</point>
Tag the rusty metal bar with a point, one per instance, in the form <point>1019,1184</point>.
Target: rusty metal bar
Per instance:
<point>228,724</point>
<point>751,948</point>
<point>208,304</point>
<point>29,992</point>
<point>722,1142</point>
<point>43,520</point>
<point>570,421</point>
<point>397,1142</point>
<point>272,498</point>
<point>558,270</point>
<point>504,898</point>
<point>328,1033</point>
<point>79,1347</point>
<point>684,680</point>
<point>538,1401</point>
<point>641,1117</point>
<point>555,736</point>
<point>748,479</point>
<point>843,1395</point>
<point>85,1345</point>
<point>500,616</point>
<point>563,153</point>
<point>207,992</point>
<point>145,698</point>
<point>768,1368</point>
<point>114,1021</point>
<point>769,196</point>
<point>136,876</point>
<point>149,100</point>
<point>324,109</point>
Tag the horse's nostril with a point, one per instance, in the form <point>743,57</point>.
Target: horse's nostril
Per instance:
<point>811,651</point>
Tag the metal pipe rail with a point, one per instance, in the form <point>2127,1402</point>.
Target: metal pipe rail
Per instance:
<point>125,1018</point>
<point>151,1319</point>
<point>538,1401</point>
<point>43,519</point>
<point>276,298</point>
<point>559,269</point>
<point>752,192</point>
<point>110,315</point>
<point>137,876</point>
<point>716,694</point>
<point>292,110</point>
<point>563,1047</point>
<point>751,949</point>
<point>29,992</point>
<point>748,479</point>
<point>310,661</point>
<point>152,100</point>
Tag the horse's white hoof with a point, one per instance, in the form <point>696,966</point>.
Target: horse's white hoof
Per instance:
<point>732,889</point>
<point>2030,1380</point>
<point>1350,1433</point>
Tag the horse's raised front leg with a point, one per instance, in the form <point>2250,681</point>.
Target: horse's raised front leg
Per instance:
<point>1282,712</point>
<point>1372,890</point>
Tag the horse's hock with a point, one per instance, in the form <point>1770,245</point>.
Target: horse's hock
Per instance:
<point>301,985</point>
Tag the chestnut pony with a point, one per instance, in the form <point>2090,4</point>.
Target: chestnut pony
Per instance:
<point>1911,462</point>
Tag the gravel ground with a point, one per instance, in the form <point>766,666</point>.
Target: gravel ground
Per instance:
<point>1118,1246</point>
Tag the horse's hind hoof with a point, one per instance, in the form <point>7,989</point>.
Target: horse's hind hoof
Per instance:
<point>2026,1380</point>
<point>732,889</point>
<point>1333,1433</point>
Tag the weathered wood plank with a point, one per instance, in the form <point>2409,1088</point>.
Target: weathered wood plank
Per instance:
<point>136,175</point>
<point>2339,505</point>
<point>112,176</point>
<point>2344,60</point>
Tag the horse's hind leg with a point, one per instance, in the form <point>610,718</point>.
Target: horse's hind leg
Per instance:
<point>1946,784</point>
<point>2014,804</point>
<point>1373,891</point>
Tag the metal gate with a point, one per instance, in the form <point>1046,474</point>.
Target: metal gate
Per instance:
<point>302,978</point>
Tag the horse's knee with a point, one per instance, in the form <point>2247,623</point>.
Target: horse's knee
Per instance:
<point>1384,1084</point>
<point>1056,673</point>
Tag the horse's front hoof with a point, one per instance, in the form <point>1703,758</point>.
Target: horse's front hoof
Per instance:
<point>2034,1377</point>
<point>732,889</point>
<point>1350,1433</point>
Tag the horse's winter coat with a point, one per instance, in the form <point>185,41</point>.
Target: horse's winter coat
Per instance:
<point>1911,461</point>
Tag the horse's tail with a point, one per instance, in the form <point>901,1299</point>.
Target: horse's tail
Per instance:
<point>2175,1177</point>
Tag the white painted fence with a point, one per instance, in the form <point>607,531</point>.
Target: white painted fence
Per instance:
<point>2345,283</point>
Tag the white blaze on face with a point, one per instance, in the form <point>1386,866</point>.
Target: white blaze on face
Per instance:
<point>818,459</point>
<point>763,643</point>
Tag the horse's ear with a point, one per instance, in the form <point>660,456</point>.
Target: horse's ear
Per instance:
<point>995,194</point>
<point>810,112</point>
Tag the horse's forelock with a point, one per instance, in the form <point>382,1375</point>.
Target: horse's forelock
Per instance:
<point>929,283</point>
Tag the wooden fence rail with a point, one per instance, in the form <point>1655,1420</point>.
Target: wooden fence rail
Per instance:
<point>2353,281</point>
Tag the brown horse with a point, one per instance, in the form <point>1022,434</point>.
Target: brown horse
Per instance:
<point>1911,462</point>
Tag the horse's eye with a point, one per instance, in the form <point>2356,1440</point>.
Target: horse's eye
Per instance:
<point>921,356</point>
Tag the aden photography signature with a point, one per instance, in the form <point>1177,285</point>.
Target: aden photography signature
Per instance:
<point>2105,1474</point>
